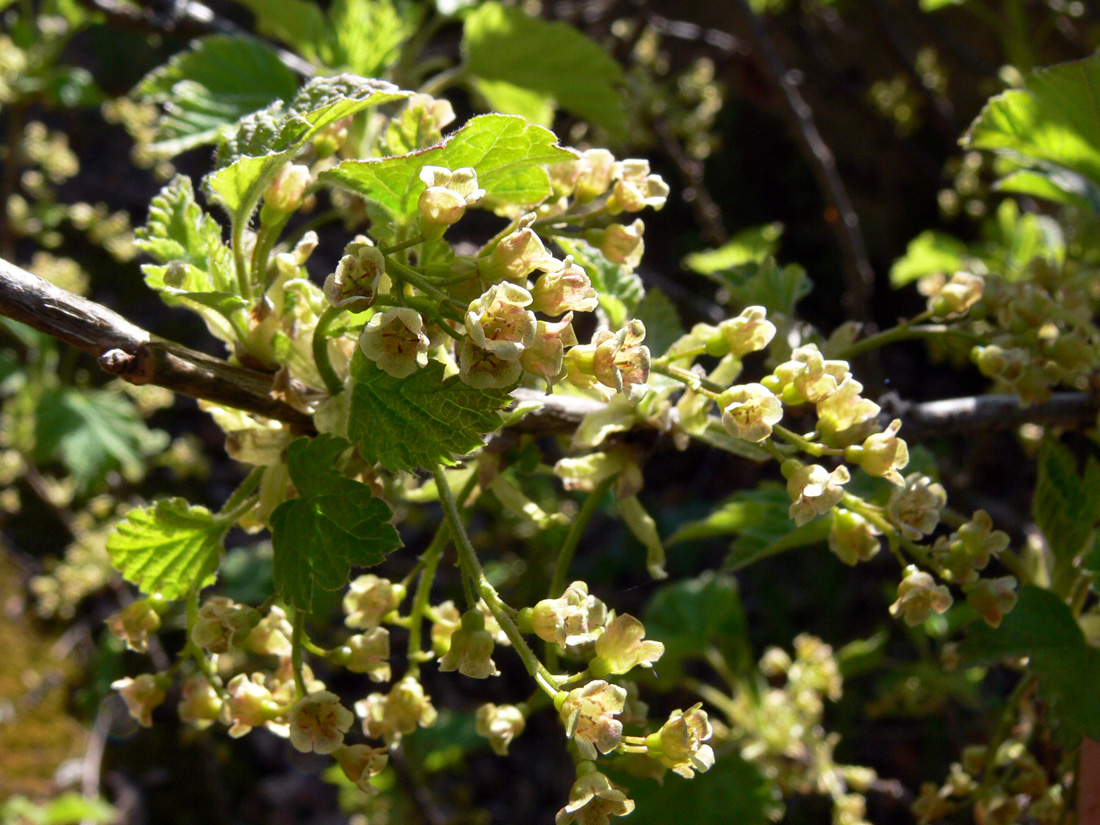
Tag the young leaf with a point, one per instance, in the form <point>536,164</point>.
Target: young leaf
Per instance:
<point>507,152</point>
<point>419,421</point>
<point>204,91</point>
<point>169,548</point>
<point>266,140</point>
<point>93,433</point>
<point>505,44</point>
<point>300,24</point>
<point>1052,123</point>
<point>752,245</point>
<point>928,253</point>
<point>1041,626</point>
<point>179,230</point>
<point>334,523</point>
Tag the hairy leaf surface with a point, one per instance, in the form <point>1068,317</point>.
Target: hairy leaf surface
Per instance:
<point>169,548</point>
<point>419,421</point>
<point>334,523</point>
<point>507,152</point>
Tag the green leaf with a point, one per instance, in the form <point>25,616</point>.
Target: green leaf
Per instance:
<point>507,152</point>
<point>510,99</point>
<point>620,289</point>
<point>1066,509</point>
<point>734,790</point>
<point>420,421</point>
<point>1041,626</point>
<point>762,525</point>
<point>662,321</point>
<point>1012,239</point>
<point>170,548</point>
<point>505,44</point>
<point>936,5</point>
<point>204,91</point>
<point>92,434</point>
<point>298,23</point>
<point>1052,122</point>
<point>693,615</point>
<point>752,245</point>
<point>928,253</point>
<point>179,230</point>
<point>1057,184</point>
<point>334,523</point>
<point>266,140</point>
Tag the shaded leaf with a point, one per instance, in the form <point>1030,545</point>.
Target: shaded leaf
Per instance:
<point>1041,626</point>
<point>752,245</point>
<point>504,44</point>
<point>510,99</point>
<point>204,91</point>
<point>661,319</point>
<point>693,615</point>
<point>507,152</point>
<point>92,434</point>
<point>1066,508</point>
<point>928,253</point>
<point>169,548</point>
<point>734,790</point>
<point>334,523</point>
<point>420,421</point>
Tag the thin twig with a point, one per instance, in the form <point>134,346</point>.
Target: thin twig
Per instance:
<point>136,355</point>
<point>858,274</point>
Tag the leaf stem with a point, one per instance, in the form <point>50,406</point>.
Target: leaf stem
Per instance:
<point>698,383</point>
<point>296,651</point>
<point>389,250</point>
<point>244,285</point>
<point>320,351</point>
<point>407,274</point>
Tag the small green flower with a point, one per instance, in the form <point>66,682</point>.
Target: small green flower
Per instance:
<point>749,411</point>
<point>919,597</point>
<point>620,648</point>
<point>500,724</point>
<point>815,491</point>
<point>318,723</point>
<point>396,341</point>
<point>593,800</point>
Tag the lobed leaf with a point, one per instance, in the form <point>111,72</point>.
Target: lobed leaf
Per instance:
<point>92,434</point>
<point>752,245</point>
<point>420,421</point>
<point>928,253</point>
<point>334,523</point>
<point>1066,508</point>
<point>1052,123</point>
<point>507,152</point>
<point>248,160</point>
<point>204,91</point>
<point>503,43</point>
<point>1041,626</point>
<point>170,548</point>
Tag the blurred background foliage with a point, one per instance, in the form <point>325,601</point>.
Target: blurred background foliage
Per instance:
<point>888,86</point>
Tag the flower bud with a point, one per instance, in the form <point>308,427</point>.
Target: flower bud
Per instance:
<point>249,704</point>
<point>222,626</point>
<point>620,244</point>
<point>500,724</point>
<point>749,411</point>
<point>285,192</point>
<point>360,762</point>
<point>969,548</point>
<point>919,597</point>
<point>517,255</point>
<point>635,188</point>
<point>852,538</point>
<point>750,331</point>
<point>620,648</point>
<point>593,799</point>
<point>996,362</point>
<point>134,623</point>
<point>400,712</point>
<point>574,618</point>
<point>445,200</point>
<point>142,696</point>
<point>471,649</point>
<point>679,744</point>
<point>957,295</point>
<point>369,653</point>
<point>882,454</point>
<point>845,412</point>
<point>200,705</point>
<point>992,598</point>
<point>271,637</point>
<point>592,174</point>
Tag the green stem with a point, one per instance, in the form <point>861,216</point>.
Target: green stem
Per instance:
<point>472,567</point>
<point>296,652</point>
<point>804,444</point>
<point>244,285</point>
<point>320,351</point>
<point>703,386</point>
<point>245,489</point>
<point>573,537</point>
<point>430,561</point>
<point>694,352</point>
<point>265,242</point>
<point>440,82</point>
<point>407,274</point>
<point>389,250</point>
<point>902,332</point>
